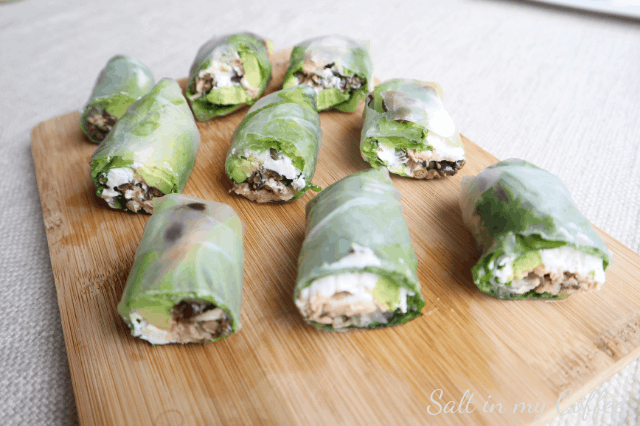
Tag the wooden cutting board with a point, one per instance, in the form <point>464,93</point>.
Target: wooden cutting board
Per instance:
<point>277,369</point>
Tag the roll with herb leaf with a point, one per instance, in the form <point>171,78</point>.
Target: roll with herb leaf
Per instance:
<point>533,240</point>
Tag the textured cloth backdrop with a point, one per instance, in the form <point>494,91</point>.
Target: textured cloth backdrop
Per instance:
<point>556,87</point>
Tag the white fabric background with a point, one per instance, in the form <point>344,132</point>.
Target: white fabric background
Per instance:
<point>557,87</point>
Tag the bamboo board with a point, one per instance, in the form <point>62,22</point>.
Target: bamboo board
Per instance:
<point>277,369</point>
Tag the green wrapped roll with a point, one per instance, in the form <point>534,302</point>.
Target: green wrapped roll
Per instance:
<point>357,267</point>
<point>408,130</point>
<point>273,152</point>
<point>120,83</point>
<point>186,281</point>
<point>534,241</point>
<point>229,72</point>
<point>150,152</point>
<point>338,68</point>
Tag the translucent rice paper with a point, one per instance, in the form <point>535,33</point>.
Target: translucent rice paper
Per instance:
<point>514,207</point>
<point>158,134</point>
<point>120,83</point>
<point>287,121</point>
<point>404,112</point>
<point>225,47</point>
<point>364,210</point>
<point>350,57</point>
<point>191,249</point>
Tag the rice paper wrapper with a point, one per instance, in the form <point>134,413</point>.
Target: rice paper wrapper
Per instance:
<point>254,52</point>
<point>514,207</point>
<point>191,249</point>
<point>287,121</point>
<point>120,83</point>
<point>158,134</point>
<point>350,57</point>
<point>362,210</point>
<point>402,113</point>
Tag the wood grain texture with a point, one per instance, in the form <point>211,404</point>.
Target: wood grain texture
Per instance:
<point>277,369</point>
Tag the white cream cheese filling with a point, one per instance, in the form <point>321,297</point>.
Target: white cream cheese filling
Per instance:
<point>224,72</point>
<point>147,331</point>
<point>350,295</point>
<point>117,177</point>
<point>554,261</point>
<point>397,160</point>
<point>283,166</point>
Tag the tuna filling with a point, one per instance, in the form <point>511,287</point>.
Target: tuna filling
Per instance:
<point>99,124</point>
<point>191,321</point>
<point>265,185</point>
<point>328,77</point>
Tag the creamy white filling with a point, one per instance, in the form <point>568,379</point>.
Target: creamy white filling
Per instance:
<point>146,331</point>
<point>348,294</point>
<point>359,285</point>
<point>327,80</point>
<point>223,72</point>
<point>388,155</point>
<point>562,259</point>
<point>442,151</point>
<point>117,177</point>
<point>298,183</point>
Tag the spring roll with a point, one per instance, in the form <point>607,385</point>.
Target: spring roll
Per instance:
<point>229,72</point>
<point>357,267</point>
<point>407,129</point>
<point>338,68</point>
<point>120,83</point>
<point>186,281</point>
<point>533,240</point>
<point>150,152</point>
<point>273,152</point>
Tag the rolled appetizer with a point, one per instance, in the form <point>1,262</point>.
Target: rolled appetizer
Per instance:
<point>229,72</point>
<point>357,267</point>
<point>408,130</point>
<point>120,83</point>
<point>338,68</point>
<point>186,281</point>
<point>533,240</point>
<point>150,152</point>
<point>273,152</point>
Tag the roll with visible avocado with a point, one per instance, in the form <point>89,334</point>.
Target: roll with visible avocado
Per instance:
<point>357,267</point>
<point>186,281</point>
<point>337,67</point>
<point>274,150</point>
<point>228,72</point>
<point>533,240</point>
